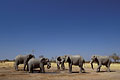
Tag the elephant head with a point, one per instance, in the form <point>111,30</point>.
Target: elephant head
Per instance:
<point>93,59</point>
<point>60,60</point>
<point>67,58</point>
<point>29,56</point>
<point>46,61</point>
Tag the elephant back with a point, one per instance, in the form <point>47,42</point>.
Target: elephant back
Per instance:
<point>33,61</point>
<point>19,57</point>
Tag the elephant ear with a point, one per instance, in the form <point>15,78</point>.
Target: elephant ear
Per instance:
<point>67,58</point>
<point>93,57</point>
<point>27,58</point>
<point>47,60</point>
<point>59,59</point>
<point>44,61</point>
<point>31,56</point>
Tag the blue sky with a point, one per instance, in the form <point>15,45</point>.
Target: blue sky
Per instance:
<point>58,27</point>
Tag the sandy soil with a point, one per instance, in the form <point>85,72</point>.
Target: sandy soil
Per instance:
<point>8,73</point>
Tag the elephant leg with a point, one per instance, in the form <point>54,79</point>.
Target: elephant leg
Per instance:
<point>70,68</point>
<point>83,70</point>
<point>27,67</point>
<point>108,67</point>
<point>42,68</point>
<point>30,69</point>
<point>81,67</point>
<point>80,70</point>
<point>58,66</point>
<point>24,66</point>
<point>63,66</point>
<point>98,69</point>
<point>16,66</point>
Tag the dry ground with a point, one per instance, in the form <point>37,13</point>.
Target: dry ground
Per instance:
<point>7,72</point>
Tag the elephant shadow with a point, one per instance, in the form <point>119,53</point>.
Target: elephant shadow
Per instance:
<point>38,71</point>
<point>78,72</point>
<point>64,70</point>
<point>106,71</point>
<point>51,73</point>
<point>20,70</point>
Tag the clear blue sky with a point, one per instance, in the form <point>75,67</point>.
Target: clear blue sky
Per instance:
<point>58,27</point>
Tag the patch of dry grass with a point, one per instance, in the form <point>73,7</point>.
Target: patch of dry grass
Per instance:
<point>7,72</point>
<point>8,64</point>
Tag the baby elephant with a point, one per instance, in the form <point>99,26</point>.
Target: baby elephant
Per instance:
<point>38,63</point>
<point>23,59</point>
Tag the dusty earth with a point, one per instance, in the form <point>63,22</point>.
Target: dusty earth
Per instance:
<point>8,73</point>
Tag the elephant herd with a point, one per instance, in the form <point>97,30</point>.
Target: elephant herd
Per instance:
<point>31,62</point>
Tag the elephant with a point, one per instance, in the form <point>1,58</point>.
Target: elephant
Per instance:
<point>101,60</point>
<point>76,60</point>
<point>38,63</point>
<point>22,59</point>
<point>60,60</point>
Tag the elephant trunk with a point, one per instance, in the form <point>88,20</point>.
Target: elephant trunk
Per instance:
<point>91,62</point>
<point>62,65</point>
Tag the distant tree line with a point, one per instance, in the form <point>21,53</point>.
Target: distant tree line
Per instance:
<point>115,57</point>
<point>6,60</point>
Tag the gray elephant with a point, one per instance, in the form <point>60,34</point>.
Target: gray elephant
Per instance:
<point>22,59</point>
<point>38,63</point>
<point>60,60</point>
<point>101,60</point>
<point>76,60</point>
